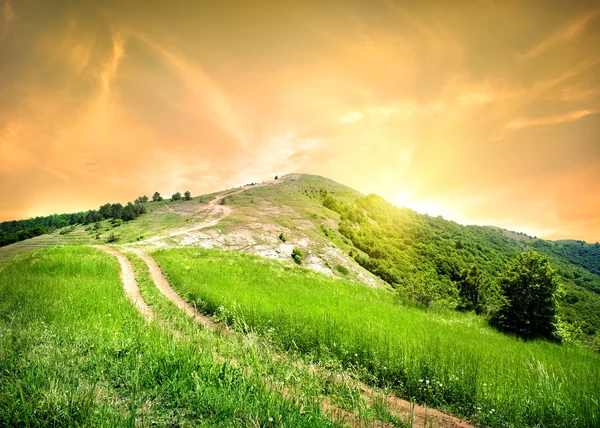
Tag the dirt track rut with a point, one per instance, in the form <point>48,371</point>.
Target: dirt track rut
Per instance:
<point>130,284</point>
<point>165,288</point>
<point>422,416</point>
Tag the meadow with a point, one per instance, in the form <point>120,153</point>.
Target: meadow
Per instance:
<point>442,358</point>
<point>74,351</point>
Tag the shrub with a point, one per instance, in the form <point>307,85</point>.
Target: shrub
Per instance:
<point>282,237</point>
<point>342,269</point>
<point>176,196</point>
<point>112,238</point>
<point>297,255</point>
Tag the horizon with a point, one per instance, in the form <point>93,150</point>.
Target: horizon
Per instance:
<point>484,112</point>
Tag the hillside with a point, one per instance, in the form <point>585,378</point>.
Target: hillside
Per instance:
<point>345,234</point>
<point>366,328</point>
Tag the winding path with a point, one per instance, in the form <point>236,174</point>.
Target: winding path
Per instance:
<point>217,211</point>
<point>130,284</point>
<point>422,416</point>
<point>165,288</point>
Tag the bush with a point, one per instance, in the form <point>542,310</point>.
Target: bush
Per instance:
<point>282,237</point>
<point>112,238</point>
<point>176,196</point>
<point>342,269</point>
<point>297,255</point>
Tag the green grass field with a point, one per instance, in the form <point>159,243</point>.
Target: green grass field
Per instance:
<point>73,352</point>
<point>447,359</point>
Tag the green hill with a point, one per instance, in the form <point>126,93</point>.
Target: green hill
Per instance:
<point>345,234</point>
<point>372,305</point>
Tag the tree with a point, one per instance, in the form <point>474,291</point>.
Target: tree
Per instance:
<point>142,199</point>
<point>187,196</point>
<point>176,196</point>
<point>470,290</point>
<point>423,288</point>
<point>156,197</point>
<point>529,289</point>
<point>276,177</point>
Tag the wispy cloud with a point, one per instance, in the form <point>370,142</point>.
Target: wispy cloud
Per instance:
<point>564,34</point>
<point>204,88</point>
<point>549,121</point>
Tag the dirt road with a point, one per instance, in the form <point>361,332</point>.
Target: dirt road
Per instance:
<point>165,288</point>
<point>422,416</point>
<point>130,284</point>
<point>217,211</point>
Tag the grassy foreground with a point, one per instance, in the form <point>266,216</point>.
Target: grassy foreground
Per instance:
<point>73,351</point>
<point>445,359</point>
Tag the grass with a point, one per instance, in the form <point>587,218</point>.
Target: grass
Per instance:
<point>286,374</point>
<point>447,360</point>
<point>73,352</point>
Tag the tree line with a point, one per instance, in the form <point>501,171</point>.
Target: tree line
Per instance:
<point>18,230</point>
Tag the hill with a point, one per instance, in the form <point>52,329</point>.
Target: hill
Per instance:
<point>349,235</point>
<point>359,327</point>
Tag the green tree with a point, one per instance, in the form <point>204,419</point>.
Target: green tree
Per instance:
<point>530,292</point>
<point>142,199</point>
<point>424,288</point>
<point>156,197</point>
<point>176,196</point>
<point>470,290</point>
<point>187,196</point>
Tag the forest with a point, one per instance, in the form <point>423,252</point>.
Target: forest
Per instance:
<point>435,261</point>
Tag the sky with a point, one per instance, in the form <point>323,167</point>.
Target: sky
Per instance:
<point>483,111</point>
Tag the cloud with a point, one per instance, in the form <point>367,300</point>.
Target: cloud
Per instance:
<point>351,116</point>
<point>570,31</point>
<point>104,100</point>
<point>554,120</point>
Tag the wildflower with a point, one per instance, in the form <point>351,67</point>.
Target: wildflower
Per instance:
<point>270,419</point>
<point>427,381</point>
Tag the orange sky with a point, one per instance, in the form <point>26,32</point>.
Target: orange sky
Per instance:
<point>485,112</point>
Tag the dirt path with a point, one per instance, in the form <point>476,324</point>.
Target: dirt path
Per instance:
<point>219,211</point>
<point>130,284</point>
<point>422,416</point>
<point>165,288</point>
